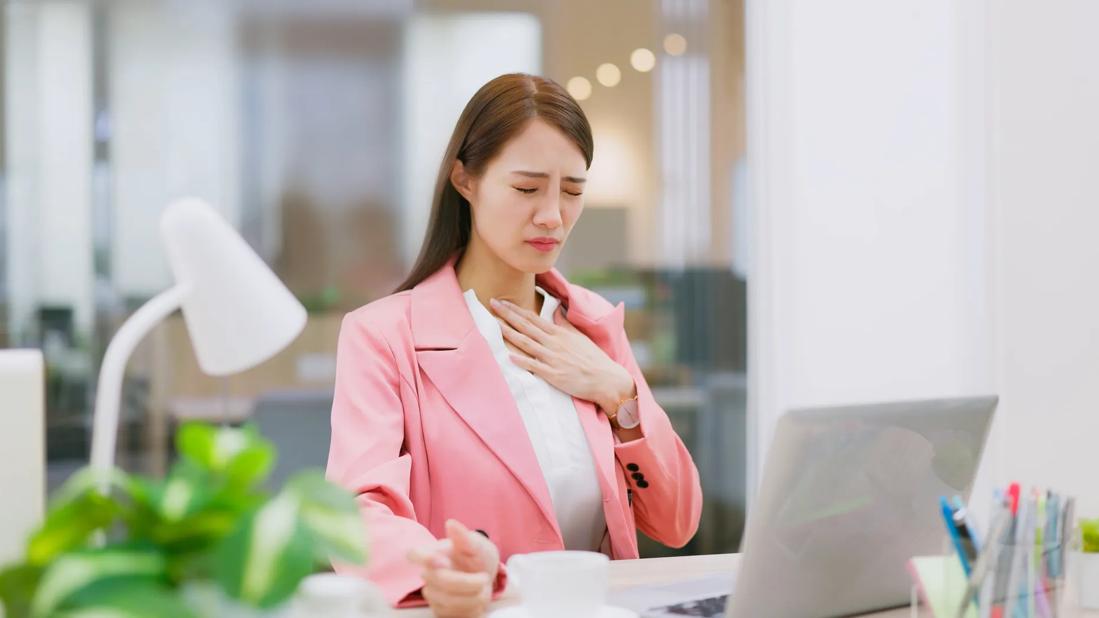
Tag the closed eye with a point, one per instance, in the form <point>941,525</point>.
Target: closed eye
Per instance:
<point>529,191</point>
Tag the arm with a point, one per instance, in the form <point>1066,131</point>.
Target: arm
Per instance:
<point>367,457</point>
<point>667,498</point>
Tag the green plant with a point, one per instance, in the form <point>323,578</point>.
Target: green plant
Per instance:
<point>121,545</point>
<point>324,300</point>
<point>1089,529</point>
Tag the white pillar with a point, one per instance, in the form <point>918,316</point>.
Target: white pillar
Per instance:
<point>49,146</point>
<point>870,264</point>
<point>1045,125</point>
<point>683,119</point>
<point>175,103</point>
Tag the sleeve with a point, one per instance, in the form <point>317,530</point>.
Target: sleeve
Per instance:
<point>667,495</point>
<point>367,457</point>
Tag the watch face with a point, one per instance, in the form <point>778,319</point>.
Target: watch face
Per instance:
<point>627,416</point>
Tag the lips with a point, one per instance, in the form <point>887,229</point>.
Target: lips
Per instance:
<point>544,245</point>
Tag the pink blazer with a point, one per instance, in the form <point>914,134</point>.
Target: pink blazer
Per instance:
<point>424,429</point>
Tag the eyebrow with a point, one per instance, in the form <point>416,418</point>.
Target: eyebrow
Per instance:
<point>574,179</point>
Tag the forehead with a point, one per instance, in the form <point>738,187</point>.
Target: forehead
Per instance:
<point>541,147</point>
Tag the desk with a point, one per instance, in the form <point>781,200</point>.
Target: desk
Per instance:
<point>629,573</point>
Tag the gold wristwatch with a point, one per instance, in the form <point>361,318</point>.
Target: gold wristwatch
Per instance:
<point>625,415</point>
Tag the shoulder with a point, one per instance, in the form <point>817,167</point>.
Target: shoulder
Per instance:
<point>388,315</point>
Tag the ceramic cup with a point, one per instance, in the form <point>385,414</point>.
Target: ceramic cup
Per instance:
<point>552,584</point>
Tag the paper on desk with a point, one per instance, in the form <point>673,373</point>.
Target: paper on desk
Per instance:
<point>641,598</point>
<point>941,583</point>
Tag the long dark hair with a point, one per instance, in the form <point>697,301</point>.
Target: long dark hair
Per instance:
<point>499,111</point>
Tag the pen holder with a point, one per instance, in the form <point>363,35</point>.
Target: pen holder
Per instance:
<point>938,583</point>
<point>1025,580</point>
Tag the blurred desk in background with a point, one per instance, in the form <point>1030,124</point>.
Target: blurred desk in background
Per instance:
<point>178,390</point>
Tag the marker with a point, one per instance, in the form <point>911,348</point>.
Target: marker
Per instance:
<point>963,545</point>
<point>965,525</point>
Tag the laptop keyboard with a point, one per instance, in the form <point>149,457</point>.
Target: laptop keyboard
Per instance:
<point>711,607</point>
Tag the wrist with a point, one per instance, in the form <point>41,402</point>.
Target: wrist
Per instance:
<point>617,391</point>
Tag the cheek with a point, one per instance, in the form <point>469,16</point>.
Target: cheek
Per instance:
<point>570,212</point>
<point>500,216</point>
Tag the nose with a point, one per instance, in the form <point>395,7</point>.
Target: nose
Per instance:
<point>548,214</point>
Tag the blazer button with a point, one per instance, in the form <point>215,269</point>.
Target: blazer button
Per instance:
<point>637,476</point>
<point>642,483</point>
<point>632,467</point>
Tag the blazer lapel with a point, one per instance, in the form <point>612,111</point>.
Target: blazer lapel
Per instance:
<point>460,364</point>
<point>604,330</point>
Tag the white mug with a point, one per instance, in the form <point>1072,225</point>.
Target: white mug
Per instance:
<point>560,583</point>
<point>328,595</point>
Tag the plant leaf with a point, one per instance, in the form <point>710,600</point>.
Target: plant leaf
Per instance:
<point>70,526</point>
<point>86,503</point>
<point>17,586</point>
<point>126,599</point>
<point>241,456</point>
<point>250,466</point>
<point>262,562</point>
<point>73,572</point>
<point>331,517</point>
<point>196,442</point>
<point>87,480</point>
<point>1089,529</point>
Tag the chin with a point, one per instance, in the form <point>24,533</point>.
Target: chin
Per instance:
<point>536,265</point>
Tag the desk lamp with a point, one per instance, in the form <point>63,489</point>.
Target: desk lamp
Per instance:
<point>238,314</point>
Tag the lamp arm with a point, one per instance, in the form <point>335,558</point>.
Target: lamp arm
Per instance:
<point>108,393</point>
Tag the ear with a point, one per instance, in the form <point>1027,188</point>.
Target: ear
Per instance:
<point>461,179</point>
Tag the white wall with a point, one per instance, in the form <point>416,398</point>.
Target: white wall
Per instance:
<point>870,266</point>
<point>1044,167</point>
<point>925,219</point>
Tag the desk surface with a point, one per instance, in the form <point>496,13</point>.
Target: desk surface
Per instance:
<point>629,573</point>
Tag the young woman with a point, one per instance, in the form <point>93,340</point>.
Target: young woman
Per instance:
<point>488,394</point>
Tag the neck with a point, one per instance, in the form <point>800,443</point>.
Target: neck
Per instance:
<point>490,277</point>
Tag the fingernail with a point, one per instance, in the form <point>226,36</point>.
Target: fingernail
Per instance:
<point>494,302</point>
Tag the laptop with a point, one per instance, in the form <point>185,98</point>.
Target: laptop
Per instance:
<point>848,495</point>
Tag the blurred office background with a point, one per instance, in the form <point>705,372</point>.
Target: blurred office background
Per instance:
<point>317,128</point>
<point>908,187</point>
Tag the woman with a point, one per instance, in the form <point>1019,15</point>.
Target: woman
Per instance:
<point>490,394</point>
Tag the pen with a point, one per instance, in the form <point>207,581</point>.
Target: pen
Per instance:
<point>962,545</point>
<point>965,525</point>
<point>1067,524</point>
<point>1006,554</point>
<point>1018,555</point>
<point>1034,509</point>
<point>981,569</point>
<point>1052,534</point>
<point>1000,522</point>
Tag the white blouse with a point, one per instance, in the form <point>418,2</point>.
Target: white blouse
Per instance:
<point>555,432</point>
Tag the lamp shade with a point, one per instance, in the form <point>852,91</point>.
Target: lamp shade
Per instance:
<point>238,313</point>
